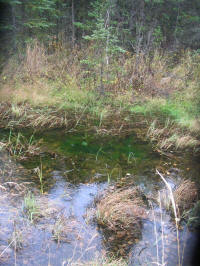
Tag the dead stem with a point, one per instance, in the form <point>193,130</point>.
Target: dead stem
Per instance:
<point>175,214</point>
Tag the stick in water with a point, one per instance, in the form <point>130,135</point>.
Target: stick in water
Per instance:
<point>175,212</point>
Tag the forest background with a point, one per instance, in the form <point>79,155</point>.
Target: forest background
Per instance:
<point>100,57</point>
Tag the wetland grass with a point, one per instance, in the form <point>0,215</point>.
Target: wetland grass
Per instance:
<point>38,171</point>
<point>181,204</point>
<point>62,229</point>
<point>31,208</point>
<point>17,240</point>
<point>98,152</point>
<point>185,196</point>
<point>120,214</point>
<point>45,95</point>
<point>131,156</point>
<point>21,147</point>
<point>55,91</point>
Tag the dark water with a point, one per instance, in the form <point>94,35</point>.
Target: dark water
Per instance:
<point>75,169</point>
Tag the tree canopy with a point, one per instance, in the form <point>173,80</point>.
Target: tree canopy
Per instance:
<point>138,24</point>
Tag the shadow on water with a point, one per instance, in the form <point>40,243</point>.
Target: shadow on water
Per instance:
<point>75,169</point>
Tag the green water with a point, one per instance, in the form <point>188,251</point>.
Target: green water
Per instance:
<point>93,158</point>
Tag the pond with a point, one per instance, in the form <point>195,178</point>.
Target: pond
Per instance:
<point>65,180</point>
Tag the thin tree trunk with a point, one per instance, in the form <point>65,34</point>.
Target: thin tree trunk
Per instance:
<point>14,28</point>
<point>101,79</point>
<point>176,26</point>
<point>101,74</point>
<point>107,24</point>
<point>57,25</point>
<point>73,28</point>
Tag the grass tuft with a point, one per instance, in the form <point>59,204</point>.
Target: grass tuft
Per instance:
<point>30,207</point>
<point>120,214</point>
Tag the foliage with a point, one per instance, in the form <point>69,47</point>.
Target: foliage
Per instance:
<point>103,36</point>
<point>137,25</point>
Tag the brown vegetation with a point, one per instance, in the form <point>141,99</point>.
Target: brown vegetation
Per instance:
<point>120,214</point>
<point>185,195</point>
<point>122,209</point>
<point>24,116</point>
<point>57,90</point>
<point>182,199</point>
<point>39,74</point>
<point>169,136</point>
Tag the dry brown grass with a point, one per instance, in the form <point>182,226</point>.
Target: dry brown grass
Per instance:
<point>62,79</point>
<point>32,77</point>
<point>185,195</point>
<point>120,214</point>
<point>195,126</point>
<point>170,136</point>
<point>35,58</point>
<point>25,116</point>
<point>21,147</point>
<point>174,139</point>
<point>141,74</point>
<point>122,210</point>
<point>39,73</point>
<point>35,76</point>
<point>186,141</point>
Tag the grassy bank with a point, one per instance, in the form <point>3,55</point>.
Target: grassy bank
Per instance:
<point>41,90</point>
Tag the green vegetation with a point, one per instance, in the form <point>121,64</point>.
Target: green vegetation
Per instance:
<point>98,63</point>
<point>110,67</point>
<point>30,207</point>
<point>19,146</point>
<point>167,97</point>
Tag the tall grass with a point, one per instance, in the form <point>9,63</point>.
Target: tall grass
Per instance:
<point>151,84</point>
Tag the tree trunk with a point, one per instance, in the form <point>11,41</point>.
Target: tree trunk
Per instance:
<point>73,27</point>
<point>14,28</point>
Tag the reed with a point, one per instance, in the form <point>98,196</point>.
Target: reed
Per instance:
<point>20,146</point>
<point>177,219</point>
<point>38,171</point>
<point>30,207</point>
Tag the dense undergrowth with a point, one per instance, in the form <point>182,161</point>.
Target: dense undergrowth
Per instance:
<point>48,90</point>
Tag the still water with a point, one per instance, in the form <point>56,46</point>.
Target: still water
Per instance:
<point>76,168</point>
